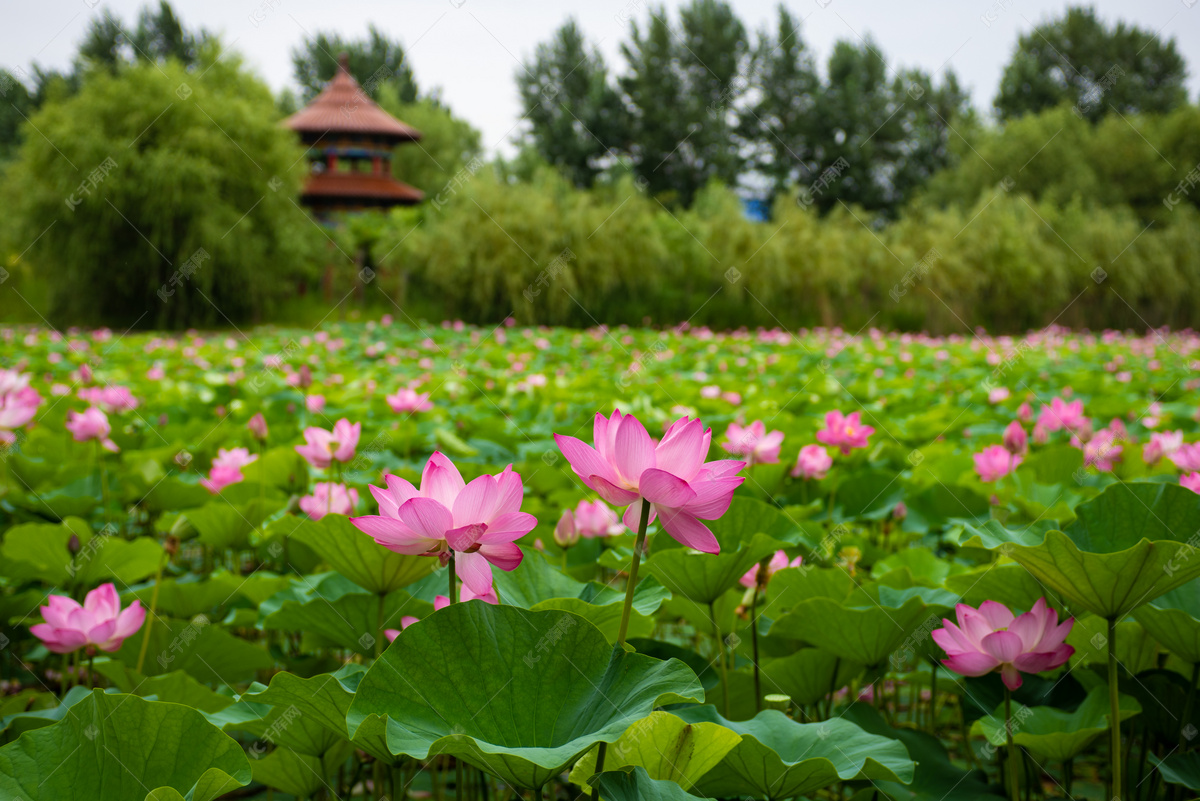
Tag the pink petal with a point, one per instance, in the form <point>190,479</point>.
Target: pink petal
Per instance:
<point>477,502</point>
<point>427,517</point>
<point>508,527</point>
<point>633,449</point>
<point>58,609</point>
<point>1011,676</point>
<point>1030,627</point>
<point>584,459</point>
<point>682,450</point>
<point>474,570</point>
<point>130,620</point>
<point>504,555</point>
<point>662,488</point>
<point>509,491</point>
<point>996,614</point>
<point>617,496</point>
<point>103,602</point>
<point>441,480</point>
<point>1005,646</point>
<point>971,663</point>
<point>713,497</point>
<point>688,530</point>
<point>394,535</point>
<point>948,640</point>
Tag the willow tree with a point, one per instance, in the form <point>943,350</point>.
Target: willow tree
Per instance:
<point>160,195</point>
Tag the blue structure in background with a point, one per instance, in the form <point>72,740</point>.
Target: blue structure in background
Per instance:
<point>756,209</point>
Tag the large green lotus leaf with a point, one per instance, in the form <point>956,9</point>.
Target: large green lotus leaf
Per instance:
<point>536,581</point>
<point>792,585</point>
<point>808,675</point>
<point>749,532</point>
<point>39,551</point>
<point>1174,620</point>
<point>863,634</point>
<point>297,773</point>
<point>634,784</point>
<point>1054,734</point>
<point>176,687</point>
<point>606,618</point>
<point>666,747</point>
<point>18,722</point>
<point>359,558</point>
<point>1008,583</point>
<point>1127,546</point>
<point>338,611</point>
<point>221,524</point>
<point>115,747</point>
<point>936,778</point>
<point>518,693</point>
<point>324,699</point>
<point>1136,650</point>
<point>1180,768</point>
<point>921,564</point>
<point>780,758</point>
<point>191,595</point>
<point>203,650</point>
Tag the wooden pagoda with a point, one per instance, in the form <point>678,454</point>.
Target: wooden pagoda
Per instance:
<point>350,140</point>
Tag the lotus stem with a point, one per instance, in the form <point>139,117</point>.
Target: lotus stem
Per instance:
<point>712,616</point>
<point>1189,704</point>
<point>638,547</point>
<point>103,479</point>
<point>760,578</point>
<point>1014,782</point>
<point>153,606</point>
<point>453,580</point>
<point>1115,709</point>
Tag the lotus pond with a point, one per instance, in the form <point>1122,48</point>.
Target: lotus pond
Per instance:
<point>390,561</point>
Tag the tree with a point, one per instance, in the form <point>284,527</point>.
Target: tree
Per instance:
<point>169,198</point>
<point>448,144</point>
<point>16,104</point>
<point>684,87</point>
<point>576,119</point>
<point>374,61</point>
<point>1079,60</point>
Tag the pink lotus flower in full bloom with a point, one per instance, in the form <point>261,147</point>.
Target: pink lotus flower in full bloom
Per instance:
<point>91,424</point>
<point>99,623</point>
<point>1191,481</point>
<point>257,425</point>
<point>991,638</point>
<point>778,562</point>
<point>1061,414</point>
<point>812,463</point>
<point>323,447</point>
<point>844,431</point>
<point>753,442</point>
<point>479,522</point>
<point>627,468</point>
<point>329,498</point>
<point>19,403</point>
<point>995,462</point>
<point>227,469</point>
<point>1015,438</point>
<point>1186,457</point>
<point>409,401</point>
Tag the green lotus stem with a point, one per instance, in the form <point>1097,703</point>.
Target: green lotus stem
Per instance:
<point>1068,767</point>
<point>639,546</point>
<point>103,479</point>
<point>1115,709</point>
<point>91,662</point>
<point>458,779</point>
<point>150,615</point>
<point>1013,778</point>
<point>712,616</point>
<point>1189,704</point>
<point>453,580</point>
<point>379,635</point>
<point>759,579</point>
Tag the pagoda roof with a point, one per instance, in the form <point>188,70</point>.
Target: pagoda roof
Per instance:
<point>343,107</point>
<point>365,187</point>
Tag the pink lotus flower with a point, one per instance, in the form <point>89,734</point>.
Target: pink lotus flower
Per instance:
<point>626,467</point>
<point>479,522</point>
<point>1101,451</point>
<point>99,623</point>
<point>1025,412</point>
<point>91,424</point>
<point>314,403</point>
<point>753,442</point>
<point>1060,414</point>
<point>409,401</point>
<point>812,463</point>
<point>778,562</point>
<point>1186,456</point>
<point>1191,481</point>
<point>596,519</point>
<point>1161,444</point>
<point>329,498</point>
<point>995,462</point>
<point>322,447</point>
<point>991,638</point>
<point>998,395</point>
<point>19,402</point>
<point>844,431</point>
<point>1015,438</point>
<point>257,425</point>
<point>111,399</point>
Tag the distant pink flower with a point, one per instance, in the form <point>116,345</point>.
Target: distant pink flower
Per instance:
<point>1015,438</point>
<point>409,401</point>
<point>99,623</point>
<point>1161,444</point>
<point>1025,412</point>
<point>753,442</point>
<point>479,522</point>
<point>1186,456</point>
<point>995,462</point>
<point>91,424</point>
<point>314,403</point>
<point>733,398</point>
<point>812,463</point>
<point>1061,414</point>
<point>320,503</point>
<point>322,447</point>
<point>111,399</point>
<point>844,431</point>
<point>626,467</point>
<point>227,469</point>
<point>19,402</point>
<point>1101,451</point>
<point>998,395</point>
<point>596,519</point>
<point>257,425</point>
<point>900,511</point>
<point>1191,481</point>
<point>991,638</point>
<point>711,391</point>
<point>778,562</point>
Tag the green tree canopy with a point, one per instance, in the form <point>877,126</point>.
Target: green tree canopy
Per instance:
<point>373,61</point>
<point>448,143</point>
<point>1078,60</point>
<point>161,197</point>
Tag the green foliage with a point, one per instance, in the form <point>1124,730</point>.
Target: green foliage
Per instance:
<point>152,175</point>
<point>374,61</point>
<point>448,144</point>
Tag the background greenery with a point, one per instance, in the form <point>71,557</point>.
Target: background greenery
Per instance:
<point>625,201</point>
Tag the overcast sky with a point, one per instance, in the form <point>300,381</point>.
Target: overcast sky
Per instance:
<point>472,49</point>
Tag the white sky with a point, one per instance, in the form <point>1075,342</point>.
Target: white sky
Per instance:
<point>472,49</point>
